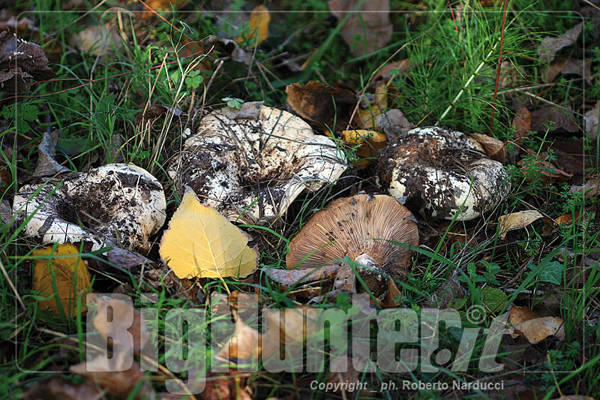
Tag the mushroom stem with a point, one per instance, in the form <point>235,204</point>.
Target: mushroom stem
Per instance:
<point>367,261</point>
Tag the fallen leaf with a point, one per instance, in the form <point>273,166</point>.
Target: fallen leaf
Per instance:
<point>393,69</point>
<point>344,381</point>
<point>226,386</point>
<point>551,45</point>
<point>125,322</point>
<point>549,172</point>
<point>493,299</point>
<point>5,177</point>
<point>153,6</point>
<point>326,107</point>
<point>590,121</point>
<point>522,122</point>
<point>560,119</point>
<point>59,388</point>
<point>591,188</point>
<point>393,297</point>
<point>368,143</point>
<point>243,347</point>
<point>493,147</point>
<point>534,328</point>
<point>518,220</point>
<point>6,212</point>
<point>46,164</point>
<point>393,123</point>
<point>200,242</point>
<point>368,27</point>
<point>302,275</point>
<point>61,279</point>
<point>258,27</point>
<point>287,329</point>
<point>568,66</point>
<point>98,40</point>
<point>21,62</point>
<point>109,375</point>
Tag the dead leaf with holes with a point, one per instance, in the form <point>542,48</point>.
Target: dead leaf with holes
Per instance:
<point>534,328</point>
<point>61,277</point>
<point>517,220</point>
<point>257,30</point>
<point>202,243</point>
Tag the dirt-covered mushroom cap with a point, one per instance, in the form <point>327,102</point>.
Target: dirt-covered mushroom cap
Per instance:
<point>251,165</point>
<point>442,174</point>
<point>360,227</point>
<point>116,204</point>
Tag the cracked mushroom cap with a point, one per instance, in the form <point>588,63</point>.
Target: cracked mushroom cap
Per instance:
<point>360,226</point>
<point>252,164</point>
<point>119,204</point>
<point>438,171</point>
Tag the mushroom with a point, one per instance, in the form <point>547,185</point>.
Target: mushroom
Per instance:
<point>361,227</point>
<point>442,174</point>
<point>116,204</point>
<point>250,165</point>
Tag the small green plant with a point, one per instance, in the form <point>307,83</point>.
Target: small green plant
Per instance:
<point>233,102</point>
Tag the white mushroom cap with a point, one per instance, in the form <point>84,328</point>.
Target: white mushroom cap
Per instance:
<point>445,172</point>
<point>252,168</point>
<point>118,204</point>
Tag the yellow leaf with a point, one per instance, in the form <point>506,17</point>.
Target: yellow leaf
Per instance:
<point>258,27</point>
<point>518,220</point>
<point>60,279</point>
<point>201,242</point>
<point>368,142</point>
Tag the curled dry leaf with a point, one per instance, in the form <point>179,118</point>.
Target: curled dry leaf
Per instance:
<point>126,323</point>
<point>59,388</point>
<point>258,27</point>
<point>21,62</point>
<point>549,172</point>
<point>551,45</point>
<point>568,66</point>
<point>251,164</point>
<point>61,280</point>
<point>356,226</point>
<point>560,120</point>
<point>534,328</point>
<point>591,188</point>
<point>368,27</point>
<point>46,164</point>
<point>590,121</point>
<point>325,107</point>
<point>153,6</point>
<point>493,147</point>
<point>517,220</point>
<point>202,243</point>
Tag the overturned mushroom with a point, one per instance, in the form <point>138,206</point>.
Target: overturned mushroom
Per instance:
<point>252,164</point>
<point>116,204</point>
<point>362,228</point>
<point>442,174</point>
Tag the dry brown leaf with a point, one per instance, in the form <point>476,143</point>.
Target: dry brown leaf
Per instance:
<point>58,388</point>
<point>561,119</point>
<point>325,107</point>
<point>367,28</point>
<point>62,279</point>
<point>110,376</point>
<point>493,147</point>
<point>227,386</point>
<point>533,327</point>
<point>302,275</point>
<point>46,164</point>
<point>98,40</point>
<point>551,45</point>
<point>393,297</point>
<point>590,121</point>
<point>120,315</point>
<point>591,188</point>
<point>549,172</point>
<point>568,66</point>
<point>200,242</point>
<point>287,329</point>
<point>522,122</point>
<point>243,347</point>
<point>518,220</point>
<point>574,397</point>
<point>153,6</point>
<point>21,62</point>
<point>393,69</point>
<point>258,27</point>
